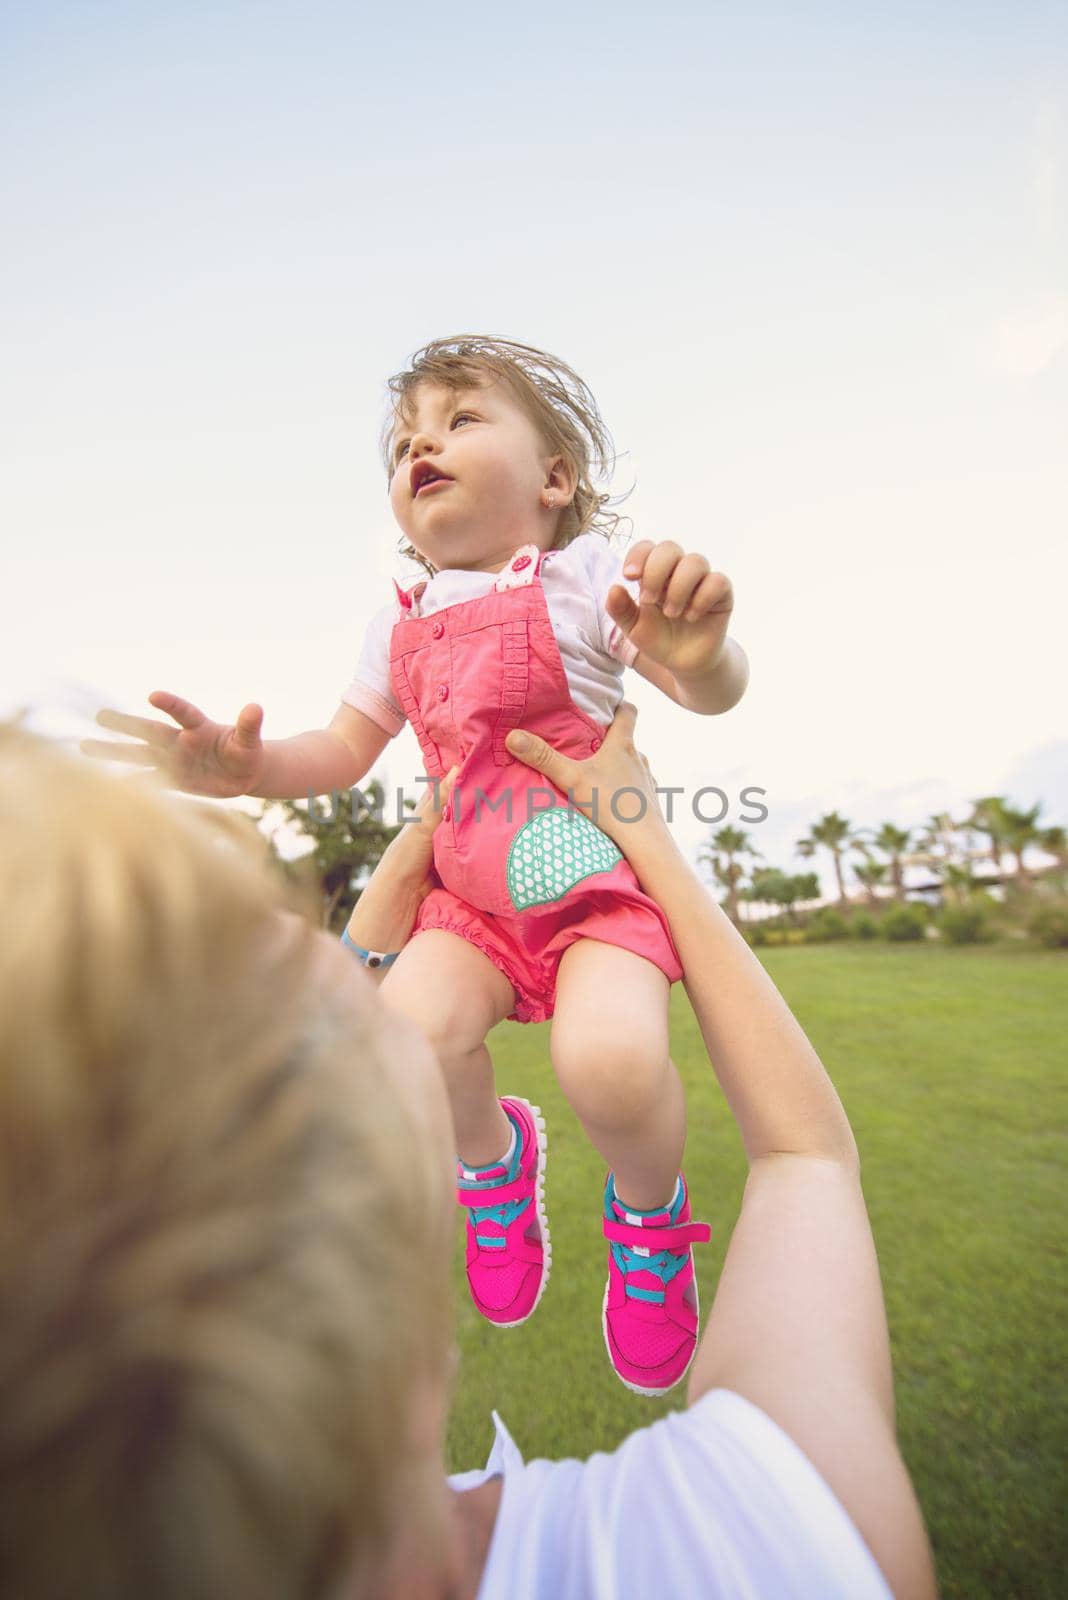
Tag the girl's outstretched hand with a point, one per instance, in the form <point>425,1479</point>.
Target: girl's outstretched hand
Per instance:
<point>683,607</point>
<point>200,756</point>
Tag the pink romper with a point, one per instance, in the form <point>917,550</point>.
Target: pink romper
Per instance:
<point>522,874</point>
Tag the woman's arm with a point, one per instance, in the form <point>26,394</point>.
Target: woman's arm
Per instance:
<point>798,1325</point>
<point>385,913</point>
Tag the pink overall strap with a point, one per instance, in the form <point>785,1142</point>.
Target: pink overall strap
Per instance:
<point>408,610</point>
<point>520,573</point>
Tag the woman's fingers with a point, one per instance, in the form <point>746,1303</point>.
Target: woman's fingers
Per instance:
<point>435,796</point>
<point>136,755</point>
<point>562,770</point>
<point>534,752</point>
<point>153,733</point>
<point>622,729</point>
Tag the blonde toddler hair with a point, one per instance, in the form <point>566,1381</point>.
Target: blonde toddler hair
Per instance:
<point>221,1271</point>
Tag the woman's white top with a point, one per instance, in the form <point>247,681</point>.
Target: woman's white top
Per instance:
<point>575,581</point>
<point>713,1503</point>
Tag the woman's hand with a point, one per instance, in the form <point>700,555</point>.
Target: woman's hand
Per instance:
<point>385,913</point>
<point>614,780</point>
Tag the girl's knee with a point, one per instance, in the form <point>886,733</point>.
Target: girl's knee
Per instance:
<point>452,999</point>
<point>611,1080</point>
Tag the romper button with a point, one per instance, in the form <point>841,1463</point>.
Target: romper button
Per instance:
<point>443,691</point>
<point>520,562</point>
<point>438,629</point>
<point>595,744</point>
<point>446,813</point>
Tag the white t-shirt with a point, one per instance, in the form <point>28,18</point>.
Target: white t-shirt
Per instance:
<point>713,1503</point>
<point>575,581</point>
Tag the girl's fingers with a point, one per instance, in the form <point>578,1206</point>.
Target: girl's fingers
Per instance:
<point>658,569</point>
<point>247,727</point>
<point>682,585</point>
<point>713,593</point>
<point>135,755</point>
<point>183,711</point>
<point>636,558</point>
<point>153,733</point>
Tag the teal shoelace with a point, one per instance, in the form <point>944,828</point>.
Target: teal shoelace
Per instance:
<point>665,1264</point>
<point>505,1215</point>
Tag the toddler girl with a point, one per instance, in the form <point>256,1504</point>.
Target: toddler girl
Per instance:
<point>522,622</point>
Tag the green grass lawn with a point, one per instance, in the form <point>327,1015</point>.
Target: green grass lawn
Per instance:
<point>953,1067</point>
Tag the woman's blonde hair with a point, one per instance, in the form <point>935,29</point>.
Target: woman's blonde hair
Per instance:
<point>222,1271</point>
<point>553,396</point>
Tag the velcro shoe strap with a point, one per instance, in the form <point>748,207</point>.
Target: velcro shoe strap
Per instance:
<point>654,1239</point>
<point>492,1194</point>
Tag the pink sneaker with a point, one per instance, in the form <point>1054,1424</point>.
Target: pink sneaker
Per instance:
<point>508,1249</point>
<point>650,1311</point>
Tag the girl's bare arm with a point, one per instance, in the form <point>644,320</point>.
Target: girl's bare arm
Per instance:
<point>201,756</point>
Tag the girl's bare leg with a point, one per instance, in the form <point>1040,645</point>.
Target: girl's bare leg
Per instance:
<point>610,1054</point>
<point>456,995</point>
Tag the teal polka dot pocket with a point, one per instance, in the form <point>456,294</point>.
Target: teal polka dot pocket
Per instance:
<point>554,851</point>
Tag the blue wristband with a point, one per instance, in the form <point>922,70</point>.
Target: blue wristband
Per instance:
<point>370,958</point>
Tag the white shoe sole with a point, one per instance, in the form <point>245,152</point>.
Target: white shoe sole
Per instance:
<point>543,1221</point>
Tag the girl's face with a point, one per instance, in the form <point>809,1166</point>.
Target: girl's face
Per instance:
<point>472,477</point>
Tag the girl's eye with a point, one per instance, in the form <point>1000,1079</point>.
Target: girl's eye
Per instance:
<point>461,416</point>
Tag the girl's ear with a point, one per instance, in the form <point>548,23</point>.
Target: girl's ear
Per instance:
<point>561,477</point>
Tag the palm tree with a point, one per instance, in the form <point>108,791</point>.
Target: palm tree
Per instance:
<point>893,842</point>
<point>770,886</point>
<point>990,816</point>
<point>936,844</point>
<point>833,832</point>
<point>959,879</point>
<point>871,874</point>
<point>1054,841</point>
<point>721,854</point>
<point>1021,830</point>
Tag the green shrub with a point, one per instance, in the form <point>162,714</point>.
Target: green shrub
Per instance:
<point>1049,925</point>
<point>904,923</point>
<point>826,924</point>
<point>864,926</point>
<point>964,925</point>
<point>757,935</point>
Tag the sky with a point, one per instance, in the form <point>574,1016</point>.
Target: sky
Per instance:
<point>812,262</point>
